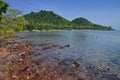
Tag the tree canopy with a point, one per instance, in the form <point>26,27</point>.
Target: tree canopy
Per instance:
<point>48,20</point>
<point>12,21</point>
<point>46,17</point>
<point>3,7</point>
<point>82,21</point>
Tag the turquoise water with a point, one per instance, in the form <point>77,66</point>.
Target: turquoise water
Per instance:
<point>101,48</point>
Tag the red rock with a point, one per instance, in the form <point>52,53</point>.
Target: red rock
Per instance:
<point>20,60</point>
<point>4,51</point>
<point>14,77</point>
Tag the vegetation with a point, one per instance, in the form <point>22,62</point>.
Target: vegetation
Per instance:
<point>3,7</point>
<point>82,21</point>
<point>11,20</point>
<point>46,17</point>
<point>19,58</point>
<point>48,20</point>
<point>45,20</point>
<point>89,25</point>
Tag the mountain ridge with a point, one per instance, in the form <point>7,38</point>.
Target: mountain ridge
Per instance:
<point>50,20</point>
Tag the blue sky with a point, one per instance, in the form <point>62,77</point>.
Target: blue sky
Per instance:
<point>104,12</point>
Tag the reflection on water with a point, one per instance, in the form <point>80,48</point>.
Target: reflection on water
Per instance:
<point>96,47</point>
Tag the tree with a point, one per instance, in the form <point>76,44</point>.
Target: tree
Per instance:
<point>13,13</point>
<point>30,26</point>
<point>19,24</point>
<point>3,8</point>
<point>12,20</point>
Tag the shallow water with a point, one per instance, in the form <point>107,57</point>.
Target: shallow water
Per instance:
<point>101,48</point>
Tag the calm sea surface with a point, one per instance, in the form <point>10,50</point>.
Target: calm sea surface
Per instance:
<point>97,47</point>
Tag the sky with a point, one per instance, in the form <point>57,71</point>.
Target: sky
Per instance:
<point>103,12</point>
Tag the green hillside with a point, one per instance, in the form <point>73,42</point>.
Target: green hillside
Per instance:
<point>89,25</point>
<point>82,21</point>
<point>48,20</point>
<point>46,17</point>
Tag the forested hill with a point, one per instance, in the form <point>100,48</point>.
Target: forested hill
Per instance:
<point>48,20</point>
<point>46,17</point>
<point>82,21</point>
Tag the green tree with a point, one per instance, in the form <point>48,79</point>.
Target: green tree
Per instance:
<point>12,19</point>
<point>30,26</point>
<point>3,7</point>
<point>41,27</point>
<point>48,20</point>
<point>19,24</point>
<point>13,13</point>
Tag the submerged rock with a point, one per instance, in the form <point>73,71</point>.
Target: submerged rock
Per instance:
<point>64,46</point>
<point>110,77</point>
<point>75,64</point>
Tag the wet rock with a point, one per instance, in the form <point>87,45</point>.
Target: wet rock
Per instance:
<point>37,69</point>
<point>118,76</point>
<point>45,48</point>
<point>23,56</point>
<point>41,45</point>
<point>67,45</point>
<point>75,64</point>
<point>38,62</point>
<point>79,79</point>
<point>110,77</point>
<point>62,62</point>
<point>64,46</point>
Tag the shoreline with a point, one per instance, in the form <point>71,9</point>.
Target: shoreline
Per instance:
<point>19,61</point>
<point>62,30</point>
<point>68,30</point>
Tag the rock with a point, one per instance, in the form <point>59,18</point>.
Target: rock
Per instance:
<point>79,79</point>
<point>4,51</point>
<point>62,62</point>
<point>38,62</point>
<point>110,77</point>
<point>75,64</point>
<point>20,60</point>
<point>14,77</point>
<point>68,45</point>
<point>118,76</point>
<point>64,46</point>
<point>23,56</point>
<point>28,77</point>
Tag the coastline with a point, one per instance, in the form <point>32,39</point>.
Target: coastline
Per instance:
<point>16,61</point>
<point>61,30</point>
<point>20,60</point>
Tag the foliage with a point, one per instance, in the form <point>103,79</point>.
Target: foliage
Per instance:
<point>3,7</point>
<point>48,20</point>
<point>89,25</point>
<point>44,20</point>
<point>12,21</point>
<point>46,17</point>
<point>13,13</point>
<point>9,31</point>
<point>82,21</point>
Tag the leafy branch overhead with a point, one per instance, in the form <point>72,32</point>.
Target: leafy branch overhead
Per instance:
<point>3,7</point>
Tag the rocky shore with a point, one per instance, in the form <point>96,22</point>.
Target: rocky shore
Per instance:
<point>18,62</point>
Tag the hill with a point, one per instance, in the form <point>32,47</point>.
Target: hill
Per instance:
<point>48,20</point>
<point>82,21</point>
<point>46,17</point>
<point>87,24</point>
